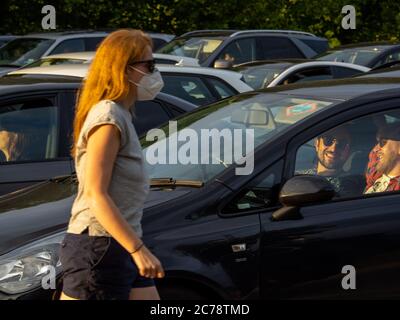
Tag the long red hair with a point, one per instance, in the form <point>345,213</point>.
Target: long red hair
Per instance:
<point>106,79</point>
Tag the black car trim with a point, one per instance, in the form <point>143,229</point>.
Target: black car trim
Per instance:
<point>231,195</point>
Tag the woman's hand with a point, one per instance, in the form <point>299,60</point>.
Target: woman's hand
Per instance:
<point>149,266</point>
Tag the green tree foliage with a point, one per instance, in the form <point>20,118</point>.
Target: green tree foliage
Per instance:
<point>377,20</point>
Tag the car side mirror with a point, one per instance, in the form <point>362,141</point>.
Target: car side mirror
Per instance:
<point>223,64</point>
<point>300,191</point>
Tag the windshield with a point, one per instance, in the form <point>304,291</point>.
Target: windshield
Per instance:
<point>22,51</point>
<point>259,77</point>
<point>356,56</point>
<point>207,140</point>
<point>195,47</point>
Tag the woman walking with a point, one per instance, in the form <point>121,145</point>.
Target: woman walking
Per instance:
<point>102,254</point>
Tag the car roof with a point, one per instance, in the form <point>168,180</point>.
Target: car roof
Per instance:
<point>74,70</point>
<point>80,70</point>
<point>67,34</point>
<point>7,36</point>
<point>85,55</point>
<point>366,46</point>
<point>198,70</point>
<point>288,63</point>
<point>340,90</point>
<point>158,35</point>
<point>180,60</point>
<point>275,61</point>
<point>233,33</point>
<point>13,84</point>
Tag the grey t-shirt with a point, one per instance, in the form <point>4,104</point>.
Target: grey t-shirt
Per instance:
<point>129,183</point>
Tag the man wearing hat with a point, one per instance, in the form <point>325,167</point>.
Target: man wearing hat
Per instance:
<point>387,168</point>
<point>332,151</point>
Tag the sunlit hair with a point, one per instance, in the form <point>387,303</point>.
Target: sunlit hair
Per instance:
<point>106,79</point>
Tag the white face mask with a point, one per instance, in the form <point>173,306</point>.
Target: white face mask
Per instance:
<point>149,86</point>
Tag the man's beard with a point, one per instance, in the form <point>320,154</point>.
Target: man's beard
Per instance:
<point>386,164</point>
<point>331,165</point>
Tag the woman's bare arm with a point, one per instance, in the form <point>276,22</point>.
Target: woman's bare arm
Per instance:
<point>102,148</point>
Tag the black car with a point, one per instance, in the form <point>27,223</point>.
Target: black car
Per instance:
<point>40,109</point>
<point>225,48</point>
<point>368,54</point>
<point>272,233</point>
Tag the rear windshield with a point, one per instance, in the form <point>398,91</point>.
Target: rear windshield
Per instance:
<point>22,51</point>
<point>194,47</point>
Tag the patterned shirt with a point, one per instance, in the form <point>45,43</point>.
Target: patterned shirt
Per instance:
<point>376,181</point>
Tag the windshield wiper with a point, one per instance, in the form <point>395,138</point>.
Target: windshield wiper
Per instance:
<point>10,65</point>
<point>171,182</point>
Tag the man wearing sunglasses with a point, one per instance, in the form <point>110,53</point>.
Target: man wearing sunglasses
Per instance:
<point>332,151</point>
<point>387,168</point>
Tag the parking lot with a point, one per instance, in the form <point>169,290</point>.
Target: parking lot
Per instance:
<point>263,163</point>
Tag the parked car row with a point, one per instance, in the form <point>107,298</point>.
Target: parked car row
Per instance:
<point>199,86</point>
<point>23,50</point>
<point>40,109</point>
<point>231,236</point>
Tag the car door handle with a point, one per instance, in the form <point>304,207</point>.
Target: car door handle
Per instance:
<point>240,247</point>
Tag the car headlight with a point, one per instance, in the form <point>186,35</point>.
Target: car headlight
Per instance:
<point>23,269</point>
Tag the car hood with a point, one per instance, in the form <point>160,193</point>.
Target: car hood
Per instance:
<point>45,208</point>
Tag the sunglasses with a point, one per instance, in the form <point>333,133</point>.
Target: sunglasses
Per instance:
<point>329,140</point>
<point>150,64</point>
<point>382,142</point>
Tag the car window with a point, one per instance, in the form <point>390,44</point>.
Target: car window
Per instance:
<point>261,193</point>
<point>22,51</point>
<point>189,88</point>
<point>311,74</point>
<point>276,47</point>
<point>260,76</point>
<point>252,118</point>
<point>29,131</point>
<point>393,56</point>
<point>358,157</point>
<point>222,88</point>
<point>193,47</point>
<point>174,110</point>
<point>355,55</point>
<point>342,72</point>
<point>91,44</point>
<point>71,45</point>
<point>54,61</point>
<point>148,115</point>
<point>158,43</point>
<point>239,51</point>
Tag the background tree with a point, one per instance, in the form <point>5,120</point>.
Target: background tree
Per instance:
<point>377,20</point>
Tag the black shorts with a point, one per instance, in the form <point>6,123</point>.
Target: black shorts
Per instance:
<point>98,268</point>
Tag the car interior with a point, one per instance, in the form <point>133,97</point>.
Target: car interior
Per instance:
<point>35,123</point>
